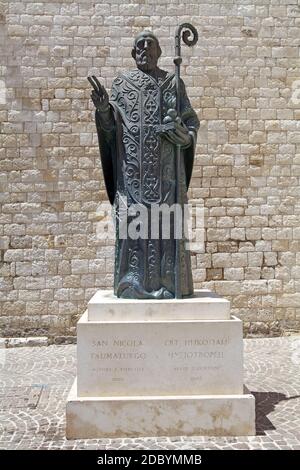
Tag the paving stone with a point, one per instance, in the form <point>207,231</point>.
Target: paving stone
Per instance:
<point>35,382</point>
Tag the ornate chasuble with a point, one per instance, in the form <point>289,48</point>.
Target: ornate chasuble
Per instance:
<point>142,103</point>
<point>139,165</point>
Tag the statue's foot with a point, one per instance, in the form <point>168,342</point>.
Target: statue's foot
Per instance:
<point>163,293</point>
<point>127,294</point>
<point>134,293</point>
<point>168,294</point>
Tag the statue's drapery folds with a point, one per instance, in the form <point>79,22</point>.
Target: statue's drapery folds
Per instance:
<point>139,167</point>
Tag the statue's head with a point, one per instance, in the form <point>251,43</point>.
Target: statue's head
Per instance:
<point>146,51</point>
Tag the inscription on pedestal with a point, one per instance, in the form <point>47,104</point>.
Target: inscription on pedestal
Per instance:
<point>124,350</point>
<point>159,358</point>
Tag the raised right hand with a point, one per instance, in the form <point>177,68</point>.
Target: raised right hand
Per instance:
<point>99,95</point>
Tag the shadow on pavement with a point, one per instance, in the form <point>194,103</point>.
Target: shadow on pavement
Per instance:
<point>265,403</point>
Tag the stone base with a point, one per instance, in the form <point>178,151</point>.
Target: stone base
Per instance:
<point>159,368</point>
<point>104,306</point>
<point>159,358</point>
<point>115,417</point>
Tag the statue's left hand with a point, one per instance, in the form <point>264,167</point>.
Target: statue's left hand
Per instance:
<point>179,135</point>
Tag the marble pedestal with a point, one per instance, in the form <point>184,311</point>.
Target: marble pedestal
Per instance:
<point>166,367</point>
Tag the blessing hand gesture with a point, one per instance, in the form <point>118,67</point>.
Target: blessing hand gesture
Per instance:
<point>99,95</point>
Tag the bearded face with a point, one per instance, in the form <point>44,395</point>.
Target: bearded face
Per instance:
<point>146,53</point>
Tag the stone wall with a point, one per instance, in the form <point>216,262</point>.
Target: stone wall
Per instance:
<point>243,78</point>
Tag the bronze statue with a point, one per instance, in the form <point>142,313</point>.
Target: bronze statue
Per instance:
<point>147,134</point>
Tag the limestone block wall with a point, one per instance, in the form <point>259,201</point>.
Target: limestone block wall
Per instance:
<point>243,78</point>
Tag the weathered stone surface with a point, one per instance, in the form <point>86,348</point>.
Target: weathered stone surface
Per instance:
<point>222,415</point>
<point>190,357</point>
<point>203,305</point>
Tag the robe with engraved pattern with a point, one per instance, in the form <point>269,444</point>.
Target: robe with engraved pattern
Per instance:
<point>139,168</point>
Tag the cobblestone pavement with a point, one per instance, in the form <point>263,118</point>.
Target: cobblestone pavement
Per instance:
<point>35,381</point>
